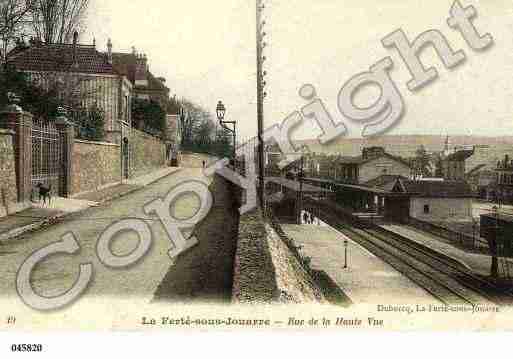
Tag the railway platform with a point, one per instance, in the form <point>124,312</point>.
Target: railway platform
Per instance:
<point>367,280</point>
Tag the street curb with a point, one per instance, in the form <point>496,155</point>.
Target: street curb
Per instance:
<point>60,217</point>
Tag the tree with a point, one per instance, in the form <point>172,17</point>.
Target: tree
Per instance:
<point>439,171</point>
<point>36,100</point>
<point>14,15</point>
<point>55,21</point>
<point>148,115</point>
<point>200,133</point>
<point>173,106</point>
<point>193,116</point>
<point>422,163</point>
<point>90,124</point>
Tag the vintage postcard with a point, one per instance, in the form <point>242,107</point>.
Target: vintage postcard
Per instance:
<point>256,164</point>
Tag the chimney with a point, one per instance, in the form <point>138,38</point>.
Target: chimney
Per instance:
<point>109,51</point>
<point>372,152</point>
<point>75,43</point>
<point>141,70</point>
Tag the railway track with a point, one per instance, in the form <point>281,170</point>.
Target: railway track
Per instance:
<point>450,267</point>
<point>444,280</point>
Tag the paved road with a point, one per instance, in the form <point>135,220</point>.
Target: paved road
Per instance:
<point>140,282</point>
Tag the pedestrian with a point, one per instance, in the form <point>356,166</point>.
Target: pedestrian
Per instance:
<point>305,218</point>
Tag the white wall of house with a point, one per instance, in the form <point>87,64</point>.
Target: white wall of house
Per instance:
<point>383,165</point>
<point>440,209</point>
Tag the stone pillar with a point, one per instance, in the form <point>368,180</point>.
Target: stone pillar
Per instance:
<point>67,132</point>
<point>15,119</point>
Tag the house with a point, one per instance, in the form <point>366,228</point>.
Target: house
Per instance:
<point>83,76</point>
<point>373,163</point>
<point>434,200</point>
<point>453,164</point>
<point>504,181</point>
<point>483,181</point>
<point>146,86</point>
<point>383,181</point>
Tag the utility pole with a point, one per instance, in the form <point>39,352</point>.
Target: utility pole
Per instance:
<point>260,99</point>
<point>300,193</point>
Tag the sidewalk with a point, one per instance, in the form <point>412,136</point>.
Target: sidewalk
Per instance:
<point>38,216</point>
<point>478,263</point>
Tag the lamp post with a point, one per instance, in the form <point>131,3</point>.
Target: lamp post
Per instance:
<point>221,112</point>
<point>346,244</point>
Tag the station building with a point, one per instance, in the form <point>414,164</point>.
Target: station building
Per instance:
<point>373,162</point>
<point>401,199</point>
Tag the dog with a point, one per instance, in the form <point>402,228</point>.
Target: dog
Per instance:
<point>45,193</point>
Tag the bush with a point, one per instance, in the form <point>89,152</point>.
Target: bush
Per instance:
<point>150,113</point>
<point>90,124</point>
<point>39,102</point>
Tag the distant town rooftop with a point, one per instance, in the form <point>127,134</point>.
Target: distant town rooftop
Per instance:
<point>435,189</point>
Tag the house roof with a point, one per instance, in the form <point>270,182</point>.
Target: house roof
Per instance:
<point>460,155</point>
<point>126,64</point>
<point>360,160</point>
<point>383,180</point>
<point>41,57</point>
<point>155,84</point>
<point>435,189</point>
<point>476,170</point>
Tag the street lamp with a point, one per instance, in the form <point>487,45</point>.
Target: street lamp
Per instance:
<point>346,244</point>
<point>221,112</point>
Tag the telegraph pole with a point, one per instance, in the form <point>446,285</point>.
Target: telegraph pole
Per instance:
<point>300,193</point>
<point>260,99</point>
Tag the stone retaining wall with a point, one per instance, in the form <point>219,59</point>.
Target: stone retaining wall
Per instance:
<point>95,165</point>
<point>266,270</point>
<point>148,153</point>
<point>8,189</point>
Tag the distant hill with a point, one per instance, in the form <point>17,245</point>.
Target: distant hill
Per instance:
<point>406,145</point>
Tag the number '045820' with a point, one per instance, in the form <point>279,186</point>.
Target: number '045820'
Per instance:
<point>27,348</point>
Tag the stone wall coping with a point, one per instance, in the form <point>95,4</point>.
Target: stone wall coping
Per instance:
<point>97,143</point>
<point>6,132</point>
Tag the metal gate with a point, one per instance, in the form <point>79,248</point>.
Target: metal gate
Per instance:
<point>47,158</point>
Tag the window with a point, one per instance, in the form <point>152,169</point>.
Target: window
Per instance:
<point>426,209</point>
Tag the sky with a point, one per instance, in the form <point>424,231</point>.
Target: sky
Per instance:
<point>206,51</point>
